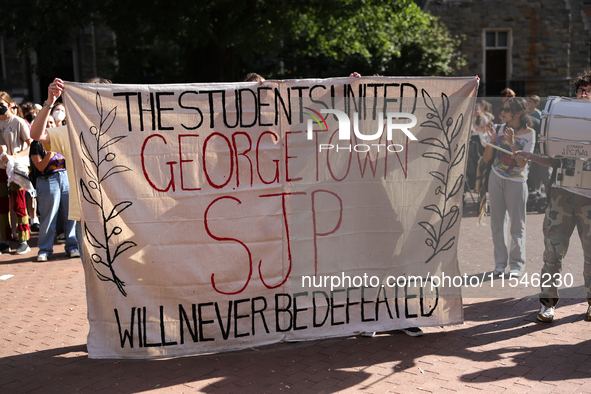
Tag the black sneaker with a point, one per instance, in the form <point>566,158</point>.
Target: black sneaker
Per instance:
<point>4,248</point>
<point>35,227</point>
<point>412,331</point>
<point>23,248</point>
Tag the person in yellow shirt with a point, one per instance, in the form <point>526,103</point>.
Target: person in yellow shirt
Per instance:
<point>58,141</point>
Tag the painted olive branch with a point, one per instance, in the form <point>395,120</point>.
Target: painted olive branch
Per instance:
<point>94,163</point>
<point>452,154</point>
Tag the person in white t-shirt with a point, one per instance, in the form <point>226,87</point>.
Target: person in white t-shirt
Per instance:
<point>15,142</point>
<point>507,184</point>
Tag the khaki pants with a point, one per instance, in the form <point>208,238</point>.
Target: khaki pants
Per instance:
<point>565,212</point>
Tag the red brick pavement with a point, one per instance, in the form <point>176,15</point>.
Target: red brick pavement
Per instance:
<point>499,349</point>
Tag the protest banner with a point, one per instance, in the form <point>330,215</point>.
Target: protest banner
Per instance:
<point>230,215</point>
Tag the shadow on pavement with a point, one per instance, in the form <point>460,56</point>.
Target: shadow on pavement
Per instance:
<point>327,365</point>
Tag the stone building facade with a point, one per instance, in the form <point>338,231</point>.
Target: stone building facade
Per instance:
<point>90,53</point>
<point>533,47</point>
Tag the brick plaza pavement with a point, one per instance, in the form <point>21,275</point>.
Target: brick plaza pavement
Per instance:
<point>499,349</point>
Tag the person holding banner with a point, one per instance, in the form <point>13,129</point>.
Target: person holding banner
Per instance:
<point>507,184</point>
<point>568,207</point>
<point>59,141</point>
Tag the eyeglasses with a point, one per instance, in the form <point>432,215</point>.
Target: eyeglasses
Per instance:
<point>506,109</point>
<point>586,91</point>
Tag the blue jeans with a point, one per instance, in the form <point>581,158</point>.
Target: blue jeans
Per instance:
<point>52,194</point>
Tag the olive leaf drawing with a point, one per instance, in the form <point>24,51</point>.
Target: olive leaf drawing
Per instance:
<point>99,165</point>
<point>447,151</point>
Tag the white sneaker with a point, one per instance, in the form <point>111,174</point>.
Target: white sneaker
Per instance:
<point>74,253</point>
<point>368,334</point>
<point>42,257</point>
<point>413,331</point>
<point>516,274</point>
<point>546,314</point>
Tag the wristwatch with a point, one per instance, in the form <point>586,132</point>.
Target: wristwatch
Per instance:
<point>47,105</point>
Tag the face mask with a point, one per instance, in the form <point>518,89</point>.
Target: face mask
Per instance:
<point>3,110</point>
<point>30,117</point>
<point>59,115</point>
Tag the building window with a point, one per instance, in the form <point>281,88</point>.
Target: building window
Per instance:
<point>497,67</point>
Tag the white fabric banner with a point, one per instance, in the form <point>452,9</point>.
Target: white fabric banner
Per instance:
<point>223,216</point>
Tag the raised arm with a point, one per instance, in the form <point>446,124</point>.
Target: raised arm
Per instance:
<point>38,130</point>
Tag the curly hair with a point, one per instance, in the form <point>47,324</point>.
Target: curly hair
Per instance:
<point>583,79</point>
<point>520,104</point>
<point>507,91</point>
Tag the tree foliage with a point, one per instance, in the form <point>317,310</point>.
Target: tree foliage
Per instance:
<point>222,40</point>
<point>371,36</point>
<point>43,27</point>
